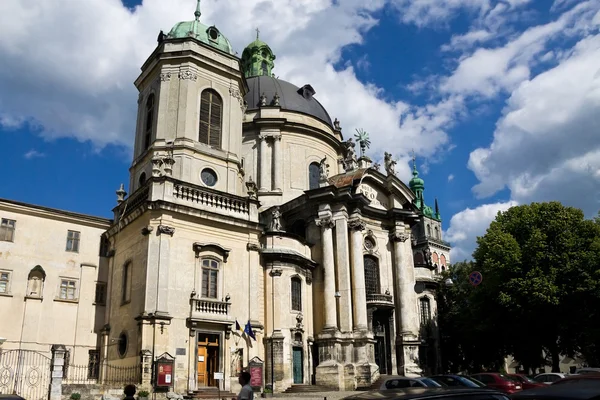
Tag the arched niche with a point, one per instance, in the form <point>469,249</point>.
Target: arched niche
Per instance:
<point>35,282</point>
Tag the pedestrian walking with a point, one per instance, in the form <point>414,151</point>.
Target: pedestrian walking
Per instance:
<point>129,392</point>
<point>246,393</point>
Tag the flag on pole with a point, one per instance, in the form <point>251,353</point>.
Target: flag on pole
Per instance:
<point>248,330</point>
<point>237,325</point>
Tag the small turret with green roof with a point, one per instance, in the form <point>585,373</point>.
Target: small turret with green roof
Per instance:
<point>209,35</point>
<point>257,58</point>
<point>417,185</point>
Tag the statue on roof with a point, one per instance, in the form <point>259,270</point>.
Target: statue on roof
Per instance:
<point>350,160</point>
<point>275,220</point>
<point>362,138</point>
<point>389,164</point>
<point>336,125</point>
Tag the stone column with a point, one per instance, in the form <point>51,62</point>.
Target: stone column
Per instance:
<point>328,262</point>
<point>277,165</point>
<point>359,294</point>
<point>342,252</point>
<point>265,184</point>
<point>407,321</point>
<point>58,362</point>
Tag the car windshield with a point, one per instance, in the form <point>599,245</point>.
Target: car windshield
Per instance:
<point>430,382</point>
<point>472,382</point>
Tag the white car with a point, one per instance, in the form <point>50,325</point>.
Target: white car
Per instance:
<point>549,378</point>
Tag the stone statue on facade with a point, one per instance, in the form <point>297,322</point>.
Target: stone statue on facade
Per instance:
<point>427,256</point>
<point>251,188</point>
<point>275,101</point>
<point>336,125</point>
<point>275,220</point>
<point>350,160</point>
<point>389,164</point>
<point>263,100</point>
<point>299,319</point>
<point>323,169</point>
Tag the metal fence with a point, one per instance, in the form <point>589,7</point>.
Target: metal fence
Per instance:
<point>102,373</point>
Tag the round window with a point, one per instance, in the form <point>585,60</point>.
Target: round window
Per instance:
<point>209,177</point>
<point>123,342</point>
<point>369,243</point>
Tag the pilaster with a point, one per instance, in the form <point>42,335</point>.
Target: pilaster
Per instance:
<point>326,224</point>
<point>342,252</point>
<point>264,179</point>
<point>277,164</point>
<point>359,295</point>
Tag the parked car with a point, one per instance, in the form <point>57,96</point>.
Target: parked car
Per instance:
<point>549,378</point>
<point>499,381</point>
<point>456,393</point>
<point>457,380</point>
<point>399,382</point>
<point>526,382</point>
<point>555,391</point>
<point>582,371</point>
<point>580,379</point>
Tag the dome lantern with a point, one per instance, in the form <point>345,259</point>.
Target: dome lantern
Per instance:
<point>257,58</point>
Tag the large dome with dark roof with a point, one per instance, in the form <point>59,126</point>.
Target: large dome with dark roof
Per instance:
<point>291,97</point>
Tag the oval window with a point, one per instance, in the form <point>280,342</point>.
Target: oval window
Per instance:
<point>213,34</point>
<point>208,177</point>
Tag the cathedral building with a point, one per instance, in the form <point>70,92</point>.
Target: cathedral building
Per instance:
<point>255,233</point>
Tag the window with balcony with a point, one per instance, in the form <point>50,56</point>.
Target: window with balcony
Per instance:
<point>7,230</point>
<point>210,278</point>
<point>371,275</point>
<point>296,294</point>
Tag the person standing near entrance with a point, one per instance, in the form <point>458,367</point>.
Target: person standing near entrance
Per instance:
<point>246,393</point>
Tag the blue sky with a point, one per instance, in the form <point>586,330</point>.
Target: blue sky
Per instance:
<point>498,98</point>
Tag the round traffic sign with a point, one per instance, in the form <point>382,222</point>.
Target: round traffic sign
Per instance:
<point>475,278</point>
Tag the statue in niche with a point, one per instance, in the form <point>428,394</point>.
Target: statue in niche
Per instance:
<point>390,164</point>
<point>299,319</point>
<point>275,220</point>
<point>323,169</point>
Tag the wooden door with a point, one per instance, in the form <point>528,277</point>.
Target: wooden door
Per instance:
<point>213,365</point>
<point>202,361</point>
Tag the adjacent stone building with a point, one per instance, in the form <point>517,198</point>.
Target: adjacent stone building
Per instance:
<point>253,232</point>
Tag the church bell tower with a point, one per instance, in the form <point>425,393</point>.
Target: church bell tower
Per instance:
<point>190,110</point>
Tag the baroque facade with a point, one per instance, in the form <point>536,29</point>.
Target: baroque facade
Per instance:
<point>253,233</point>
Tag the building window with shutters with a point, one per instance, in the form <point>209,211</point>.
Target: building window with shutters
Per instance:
<point>425,310</point>
<point>149,121</point>
<point>210,278</point>
<point>371,275</point>
<point>296,294</point>
<point>314,174</point>
<point>211,111</point>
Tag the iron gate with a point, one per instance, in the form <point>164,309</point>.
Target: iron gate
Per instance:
<point>26,373</point>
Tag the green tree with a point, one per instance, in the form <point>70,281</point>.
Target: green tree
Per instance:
<point>540,291</point>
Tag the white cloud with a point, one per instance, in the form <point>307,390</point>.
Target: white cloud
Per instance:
<point>77,80</point>
<point>468,224</point>
<point>33,154</point>
<point>450,178</point>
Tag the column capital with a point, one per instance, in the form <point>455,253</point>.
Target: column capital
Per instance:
<point>357,224</point>
<point>399,236</point>
<point>262,137</point>
<point>325,222</point>
<point>276,137</point>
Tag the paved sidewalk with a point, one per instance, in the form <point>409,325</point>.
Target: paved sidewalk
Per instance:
<point>314,395</point>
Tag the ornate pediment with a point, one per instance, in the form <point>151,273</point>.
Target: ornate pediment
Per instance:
<point>384,195</point>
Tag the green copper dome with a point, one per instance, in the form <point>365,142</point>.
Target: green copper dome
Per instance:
<point>257,59</point>
<point>416,183</point>
<point>209,35</point>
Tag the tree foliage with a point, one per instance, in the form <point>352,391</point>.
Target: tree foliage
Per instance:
<point>540,291</point>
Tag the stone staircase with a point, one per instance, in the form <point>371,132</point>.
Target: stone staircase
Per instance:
<point>210,393</point>
<point>307,389</point>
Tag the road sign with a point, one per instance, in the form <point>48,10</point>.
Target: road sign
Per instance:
<point>475,278</point>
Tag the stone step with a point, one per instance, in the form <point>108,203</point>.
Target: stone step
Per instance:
<point>210,393</point>
<point>307,389</point>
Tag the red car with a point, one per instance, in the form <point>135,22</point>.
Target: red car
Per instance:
<point>499,381</point>
<point>526,382</point>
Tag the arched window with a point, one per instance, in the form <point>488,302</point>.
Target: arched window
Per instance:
<point>435,258</point>
<point>443,260</point>
<point>429,230</point>
<point>142,179</point>
<point>313,175</point>
<point>210,278</point>
<point>296,294</point>
<point>211,111</point>
<point>437,232</point>
<point>148,124</point>
<point>371,275</point>
<point>425,310</point>
<point>265,68</point>
<point>126,283</point>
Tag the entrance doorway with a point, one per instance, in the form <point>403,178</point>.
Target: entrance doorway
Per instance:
<point>208,359</point>
<point>298,370</point>
<point>381,331</point>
